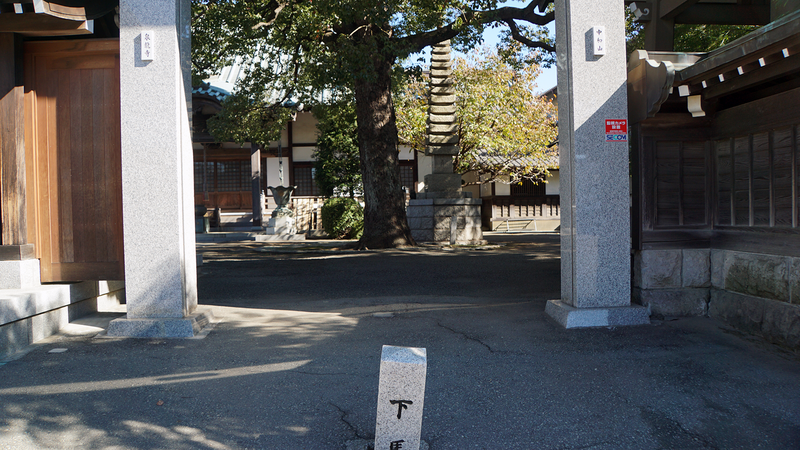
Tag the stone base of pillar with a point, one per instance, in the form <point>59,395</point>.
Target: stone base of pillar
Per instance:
<point>571,317</point>
<point>157,327</point>
<point>20,274</point>
<point>19,268</point>
<point>279,237</point>
<point>281,225</point>
<point>446,220</point>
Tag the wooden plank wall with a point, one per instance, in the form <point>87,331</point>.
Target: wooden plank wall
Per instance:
<point>757,179</point>
<point>732,183</point>
<point>73,91</point>
<point>680,183</point>
<point>13,217</point>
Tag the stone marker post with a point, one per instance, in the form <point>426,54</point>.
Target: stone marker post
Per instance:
<point>593,148</point>
<point>401,395</point>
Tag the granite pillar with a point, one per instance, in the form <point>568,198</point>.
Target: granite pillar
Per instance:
<point>594,188</point>
<point>157,172</point>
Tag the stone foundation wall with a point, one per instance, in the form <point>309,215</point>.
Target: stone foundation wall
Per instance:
<point>431,220</point>
<point>30,315</point>
<point>672,282</point>
<point>757,293</point>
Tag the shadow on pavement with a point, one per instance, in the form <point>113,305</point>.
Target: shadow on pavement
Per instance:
<point>293,364</point>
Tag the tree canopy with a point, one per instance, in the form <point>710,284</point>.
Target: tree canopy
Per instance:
<point>306,49</point>
<point>504,129</point>
<point>336,158</point>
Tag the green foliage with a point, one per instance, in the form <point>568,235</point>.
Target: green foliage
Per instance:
<point>343,218</point>
<point>247,119</point>
<point>525,45</point>
<point>688,38</point>
<point>337,165</point>
<point>503,127</point>
<point>301,48</point>
<point>634,33</point>
<point>705,38</point>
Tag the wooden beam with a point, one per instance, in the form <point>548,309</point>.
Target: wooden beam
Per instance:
<point>659,35</point>
<point>668,9</point>
<point>770,39</point>
<point>32,24</point>
<point>785,67</point>
<point>723,14</point>
<point>12,143</point>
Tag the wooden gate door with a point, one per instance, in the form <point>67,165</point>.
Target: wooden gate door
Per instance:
<point>72,135</point>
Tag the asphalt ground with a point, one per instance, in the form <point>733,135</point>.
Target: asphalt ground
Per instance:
<point>292,363</point>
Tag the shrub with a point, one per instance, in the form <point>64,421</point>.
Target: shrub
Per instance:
<point>343,218</point>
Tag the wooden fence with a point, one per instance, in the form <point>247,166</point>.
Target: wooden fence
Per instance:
<point>504,212</point>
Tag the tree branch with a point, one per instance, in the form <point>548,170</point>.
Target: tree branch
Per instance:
<point>518,36</point>
<point>271,10</point>
<point>421,40</point>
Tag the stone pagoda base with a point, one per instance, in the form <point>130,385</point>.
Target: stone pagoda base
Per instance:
<point>454,221</point>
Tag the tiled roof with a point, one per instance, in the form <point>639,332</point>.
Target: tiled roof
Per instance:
<point>549,160</point>
<point>211,91</point>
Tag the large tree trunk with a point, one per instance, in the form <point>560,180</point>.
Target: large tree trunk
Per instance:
<point>385,223</point>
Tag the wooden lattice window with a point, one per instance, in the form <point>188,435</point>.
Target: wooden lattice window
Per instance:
<point>304,180</point>
<point>407,176</point>
<point>233,176</point>
<point>528,187</point>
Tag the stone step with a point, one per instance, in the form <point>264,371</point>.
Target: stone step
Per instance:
<point>32,314</point>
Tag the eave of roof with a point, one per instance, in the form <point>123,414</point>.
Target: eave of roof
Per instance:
<point>52,18</point>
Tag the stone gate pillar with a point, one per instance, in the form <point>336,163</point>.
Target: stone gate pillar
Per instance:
<point>157,173</point>
<point>594,188</point>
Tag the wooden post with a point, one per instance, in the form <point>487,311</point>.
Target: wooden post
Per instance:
<point>255,176</point>
<point>659,33</point>
<point>12,142</point>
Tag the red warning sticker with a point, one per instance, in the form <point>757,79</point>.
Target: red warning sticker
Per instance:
<point>616,130</point>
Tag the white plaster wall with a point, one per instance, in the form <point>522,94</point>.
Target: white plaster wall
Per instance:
<point>502,189</point>
<point>303,154</point>
<point>553,183</point>
<point>284,140</point>
<point>406,153</point>
<point>234,145</point>
<point>273,175</point>
<point>304,128</point>
<point>474,189</point>
<point>486,189</point>
<point>424,167</point>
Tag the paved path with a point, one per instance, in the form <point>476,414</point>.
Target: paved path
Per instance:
<point>293,363</point>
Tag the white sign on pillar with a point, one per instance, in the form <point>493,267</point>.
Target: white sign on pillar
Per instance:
<point>599,34</point>
<point>148,45</point>
<point>401,396</point>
